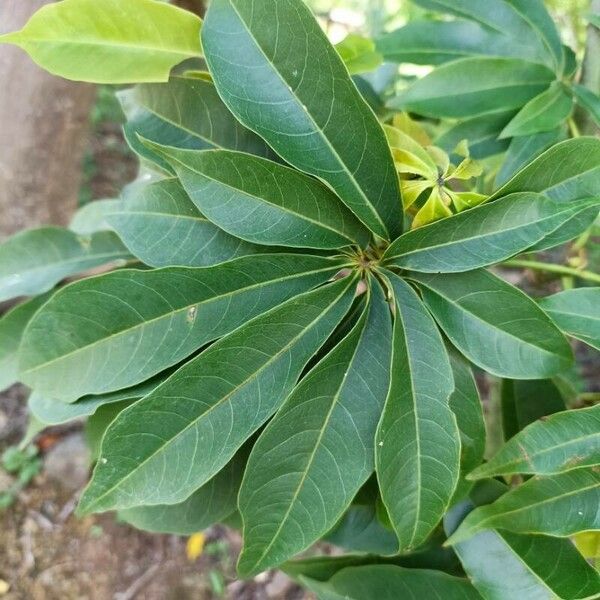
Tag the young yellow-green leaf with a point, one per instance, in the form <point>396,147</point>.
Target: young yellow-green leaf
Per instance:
<point>116,330</point>
<point>474,86</point>
<point>184,113</point>
<point>560,506</point>
<point>544,113</point>
<point>12,326</point>
<point>264,202</point>
<point>277,72</point>
<point>525,401</point>
<point>495,325</point>
<point>577,313</point>
<point>389,582</point>
<point>34,261</point>
<point>589,101</point>
<point>210,504</point>
<point>429,42</point>
<point>198,419</point>
<point>317,452</point>
<point>109,41</point>
<point>163,228</point>
<point>359,54</point>
<point>482,236</point>
<point>567,171</point>
<point>534,567</point>
<point>562,442</point>
<point>418,443</point>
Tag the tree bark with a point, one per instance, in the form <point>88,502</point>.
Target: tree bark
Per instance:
<point>43,125</point>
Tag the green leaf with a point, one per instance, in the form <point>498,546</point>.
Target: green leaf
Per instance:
<point>418,442</point>
<point>109,41</point>
<point>360,530</point>
<point>577,313</point>
<point>562,442</point>
<point>162,227</point>
<point>495,325</point>
<point>91,217</point>
<point>236,384</point>
<point>466,405</point>
<point>54,412</point>
<point>474,86</point>
<point>210,504</point>
<point>531,566</point>
<point>482,236</point>
<point>559,505</point>
<point>12,326</point>
<point>544,113</point>
<point>389,582</point>
<point>436,42</point>
<point>524,402</point>
<point>589,101</point>
<point>315,455</point>
<point>359,54</point>
<point>184,113</point>
<point>264,202</point>
<point>34,261</point>
<point>527,22</point>
<point>481,134</point>
<point>113,331</point>
<point>280,76</point>
<point>522,150</point>
<point>568,171</point>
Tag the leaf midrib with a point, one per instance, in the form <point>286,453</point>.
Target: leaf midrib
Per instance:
<point>185,308</point>
<point>334,404</point>
<point>229,394</point>
<point>322,135</point>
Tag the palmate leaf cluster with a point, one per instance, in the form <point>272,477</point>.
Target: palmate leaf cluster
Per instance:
<point>276,348</point>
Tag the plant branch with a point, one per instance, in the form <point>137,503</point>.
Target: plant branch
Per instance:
<point>552,268</point>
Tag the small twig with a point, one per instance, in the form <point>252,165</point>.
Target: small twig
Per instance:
<point>131,592</point>
<point>67,510</point>
<point>552,268</point>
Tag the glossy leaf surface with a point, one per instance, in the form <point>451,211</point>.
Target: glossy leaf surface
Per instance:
<point>317,452</point>
<point>12,326</point>
<point>484,235</point>
<point>562,442</point>
<point>577,313</point>
<point>214,501</point>
<point>543,113</point>
<point>558,505</point>
<point>418,443</point>
<point>34,261</point>
<point>133,41</point>
<point>505,565</point>
<point>235,386</point>
<point>163,228</point>
<point>263,202</point>
<point>474,86</point>
<point>495,325</point>
<point>277,72</point>
<point>121,328</point>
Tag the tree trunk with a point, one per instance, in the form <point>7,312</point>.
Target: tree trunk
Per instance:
<point>43,126</point>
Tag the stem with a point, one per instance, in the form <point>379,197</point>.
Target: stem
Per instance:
<point>573,127</point>
<point>552,268</point>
